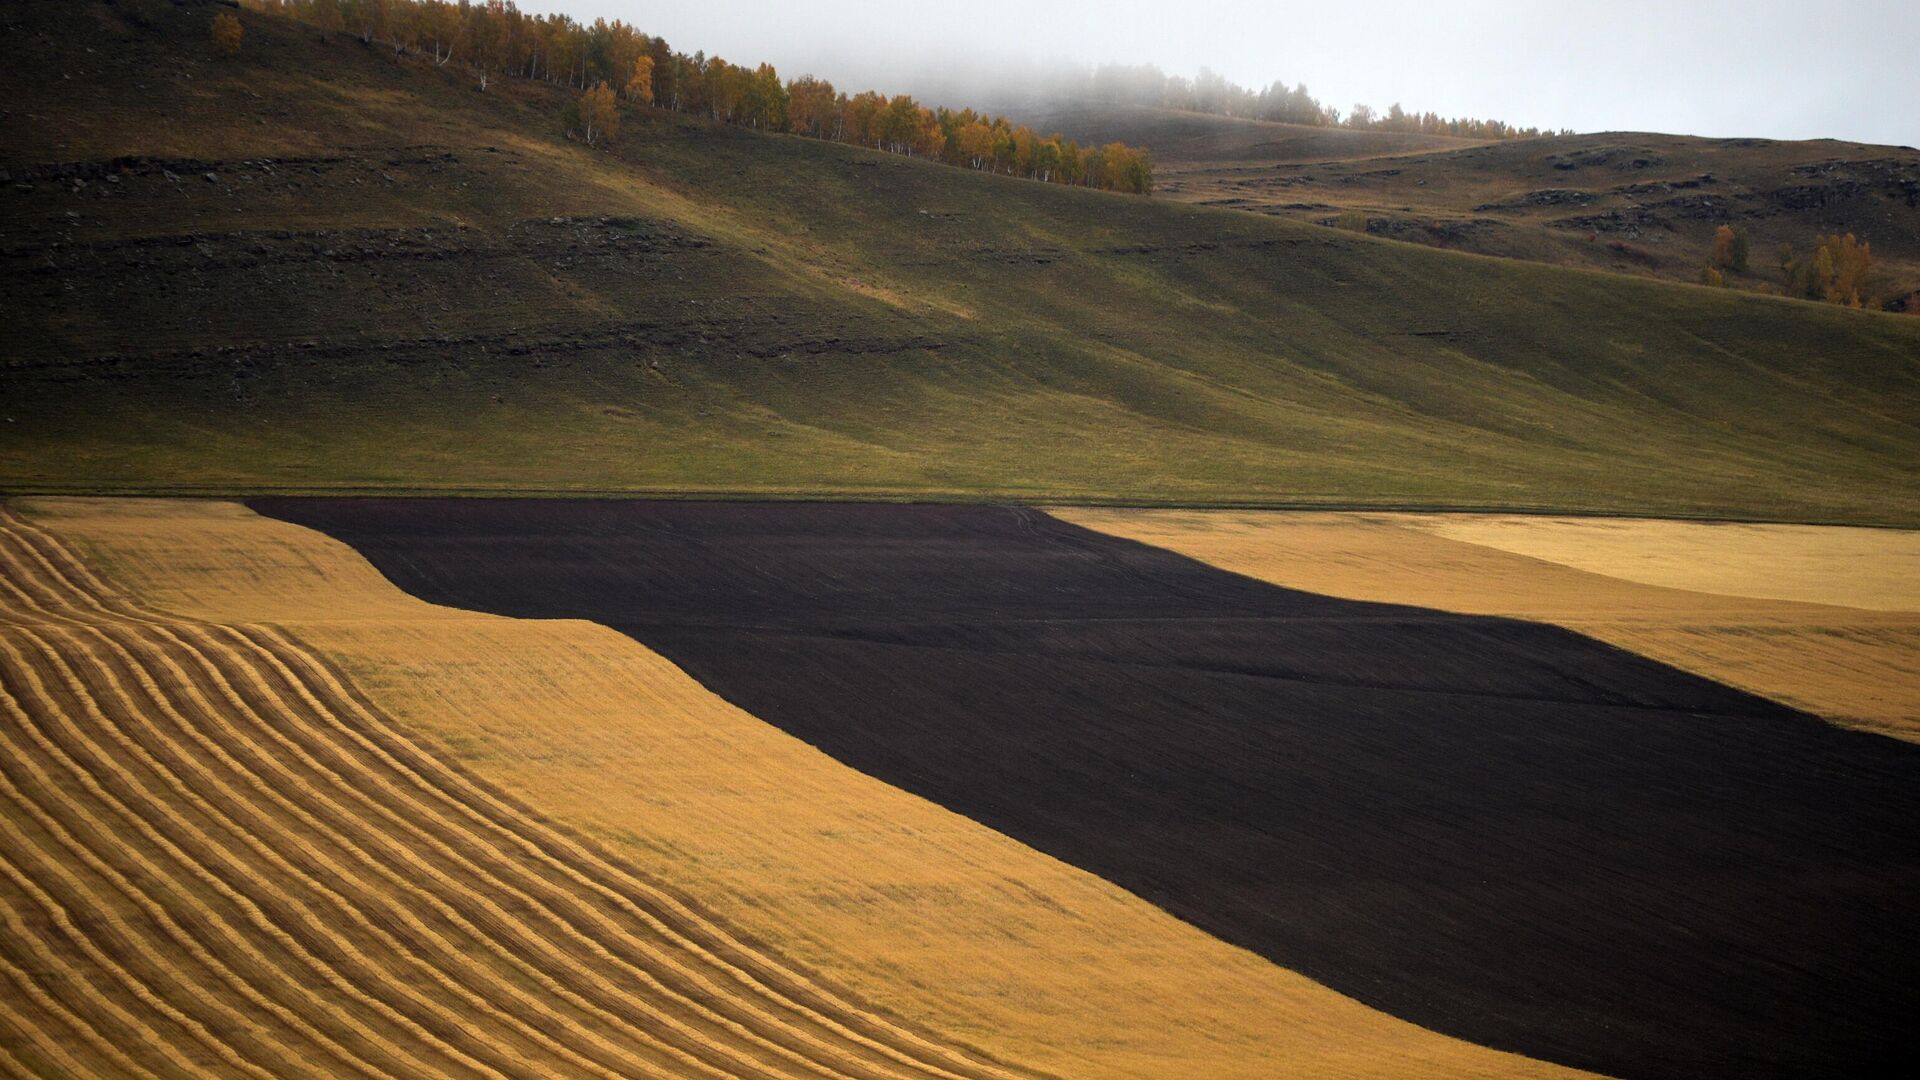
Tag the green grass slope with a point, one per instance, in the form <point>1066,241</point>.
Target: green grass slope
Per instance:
<point>316,267</point>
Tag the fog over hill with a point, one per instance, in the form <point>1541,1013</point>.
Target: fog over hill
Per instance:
<point>1771,68</point>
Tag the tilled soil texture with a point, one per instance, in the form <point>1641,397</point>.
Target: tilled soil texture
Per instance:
<point>1500,830</point>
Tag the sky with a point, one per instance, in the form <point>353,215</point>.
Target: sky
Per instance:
<point>1788,69</point>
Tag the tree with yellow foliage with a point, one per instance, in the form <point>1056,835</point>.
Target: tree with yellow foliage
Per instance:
<point>811,107</point>
<point>1836,272</point>
<point>1730,248</point>
<point>1840,266</point>
<point>899,124</point>
<point>599,115</point>
<point>726,86</point>
<point>227,33</point>
<point>974,141</point>
<point>1127,168</point>
<point>930,141</point>
<point>863,118</point>
<point>763,101</point>
<point>607,59</point>
<point>640,83</point>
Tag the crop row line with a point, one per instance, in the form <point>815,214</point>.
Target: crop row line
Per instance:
<point>237,863</point>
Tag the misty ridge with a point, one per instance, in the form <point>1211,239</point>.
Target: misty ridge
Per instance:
<point>1025,87</point>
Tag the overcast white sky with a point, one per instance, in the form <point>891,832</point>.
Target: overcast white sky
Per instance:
<point>1778,68</point>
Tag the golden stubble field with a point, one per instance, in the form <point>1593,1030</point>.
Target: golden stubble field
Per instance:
<point>1824,619</point>
<point>218,857</point>
<point>606,850</point>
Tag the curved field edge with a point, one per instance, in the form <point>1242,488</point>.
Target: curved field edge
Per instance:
<point>1459,819</point>
<point>922,913</point>
<point>1875,569</point>
<point>219,858</point>
<point>1854,666</point>
<point>395,283</point>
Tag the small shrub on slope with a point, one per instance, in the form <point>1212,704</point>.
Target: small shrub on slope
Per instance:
<point>227,33</point>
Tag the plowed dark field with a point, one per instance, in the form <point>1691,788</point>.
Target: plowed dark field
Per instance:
<point>1501,830</point>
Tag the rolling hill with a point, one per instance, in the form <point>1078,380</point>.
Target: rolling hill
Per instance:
<point>1632,202</point>
<point>748,770</point>
<point>318,267</point>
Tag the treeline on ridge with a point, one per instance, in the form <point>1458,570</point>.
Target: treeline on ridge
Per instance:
<point>493,38</point>
<point>1210,92</point>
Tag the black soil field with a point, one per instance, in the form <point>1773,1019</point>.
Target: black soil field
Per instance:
<point>1500,830</point>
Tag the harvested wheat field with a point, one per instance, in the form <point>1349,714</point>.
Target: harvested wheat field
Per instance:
<point>1501,830</point>
<point>217,857</point>
<point>1824,619</point>
<point>1876,569</point>
<point>412,840</point>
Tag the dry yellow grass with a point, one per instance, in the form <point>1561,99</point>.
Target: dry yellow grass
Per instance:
<point>218,858</point>
<point>1877,569</point>
<point>924,915</point>
<point>1852,665</point>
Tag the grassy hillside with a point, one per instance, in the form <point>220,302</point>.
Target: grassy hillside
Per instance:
<point>316,267</point>
<point>1623,201</point>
